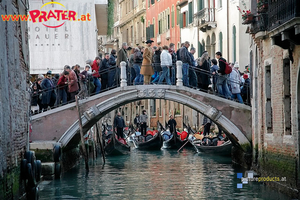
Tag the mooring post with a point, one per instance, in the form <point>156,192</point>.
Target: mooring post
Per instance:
<point>179,73</point>
<point>123,74</point>
<point>99,132</point>
<point>86,159</point>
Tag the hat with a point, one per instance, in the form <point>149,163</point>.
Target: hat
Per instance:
<point>149,41</point>
<point>245,76</point>
<point>236,65</point>
<point>49,72</point>
<point>154,47</point>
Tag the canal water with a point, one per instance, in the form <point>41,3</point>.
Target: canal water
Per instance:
<point>163,174</point>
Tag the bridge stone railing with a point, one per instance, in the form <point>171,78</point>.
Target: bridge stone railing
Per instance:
<point>179,81</point>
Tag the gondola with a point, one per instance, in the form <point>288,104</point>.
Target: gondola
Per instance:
<point>222,150</point>
<point>149,142</point>
<point>115,147</point>
<point>174,141</point>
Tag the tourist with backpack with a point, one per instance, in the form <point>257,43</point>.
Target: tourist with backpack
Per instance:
<point>224,71</point>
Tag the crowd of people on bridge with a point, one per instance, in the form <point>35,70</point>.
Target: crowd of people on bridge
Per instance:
<point>144,65</point>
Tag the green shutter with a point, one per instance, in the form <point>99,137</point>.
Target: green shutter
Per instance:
<point>221,42</point>
<point>173,18</point>
<point>181,20</point>
<point>148,33</point>
<point>199,49</point>
<point>200,5</point>
<point>152,1</point>
<point>190,12</point>
<point>178,17</point>
<point>186,19</point>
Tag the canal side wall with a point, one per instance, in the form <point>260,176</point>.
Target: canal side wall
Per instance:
<point>14,99</point>
<point>275,131</point>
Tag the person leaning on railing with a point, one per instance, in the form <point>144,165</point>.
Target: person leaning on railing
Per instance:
<point>112,68</point>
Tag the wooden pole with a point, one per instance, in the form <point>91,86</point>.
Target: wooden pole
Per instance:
<point>81,136</point>
<point>100,141</point>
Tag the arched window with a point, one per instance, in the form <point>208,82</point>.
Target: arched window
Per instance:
<point>234,43</point>
<point>168,19</point>
<point>207,48</point>
<point>213,45</point>
<point>221,42</point>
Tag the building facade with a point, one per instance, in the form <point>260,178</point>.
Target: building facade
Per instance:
<point>215,25</point>
<point>53,48</point>
<point>130,27</point>
<point>14,99</point>
<point>275,63</point>
<point>162,22</point>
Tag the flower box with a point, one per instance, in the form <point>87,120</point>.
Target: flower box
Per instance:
<point>248,19</point>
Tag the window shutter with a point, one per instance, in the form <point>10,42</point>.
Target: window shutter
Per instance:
<point>190,12</point>
<point>148,33</point>
<point>187,18</point>
<point>181,20</point>
<point>178,17</point>
<point>173,19</point>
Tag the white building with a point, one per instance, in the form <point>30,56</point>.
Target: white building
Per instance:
<point>72,43</point>
<point>218,25</point>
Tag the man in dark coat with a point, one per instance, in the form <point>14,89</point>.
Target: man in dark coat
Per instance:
<point>137,121</point>
<point>119,124</point>
<point>104,71</point>
<point>122,56</point>
<point>172,124</point>
<point>112,68</point>
<point>48,95</point>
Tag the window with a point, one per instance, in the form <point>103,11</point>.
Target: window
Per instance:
<point>220,3</point>
<point>287,97</point>
<point>234,43</point>
<point>148,3</point>
<point>220,42</point>
<point>213,45</point>
<point>173,18</point>
<point>184,20</point>
<point>160,108</point>
<point>268,87</point>
<point>153,20</point>
<point>190,12</point>
<point>168,19</point>
<point>132,34</point>
<point>153,107</point>
<point>152,2</point>
<point>159,24</point>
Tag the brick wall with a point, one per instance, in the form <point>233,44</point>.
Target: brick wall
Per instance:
<point>277,151</point>
<point>14,99</point>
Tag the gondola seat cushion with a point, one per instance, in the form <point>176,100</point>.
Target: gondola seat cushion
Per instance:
<point>148,137</point>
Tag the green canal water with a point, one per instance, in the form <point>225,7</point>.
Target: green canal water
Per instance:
<point>162,174</point>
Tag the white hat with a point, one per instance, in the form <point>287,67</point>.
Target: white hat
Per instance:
<point>236,64</point>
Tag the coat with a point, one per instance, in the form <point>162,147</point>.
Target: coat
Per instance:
<point>73,82</point>
<point>48,91</point>
<point>166,58</point>
<point>122,56</point>
<point>119,122</point>
<point>146,68</point>
<point>204,74</point>
<point>235,82</point>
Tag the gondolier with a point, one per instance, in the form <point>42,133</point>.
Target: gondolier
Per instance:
<point>119,124</point>
<point>143,120</point>
<point>137,121</point>
<point>172,124</point>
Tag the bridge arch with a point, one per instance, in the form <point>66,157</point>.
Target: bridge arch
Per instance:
<point>233,117</point>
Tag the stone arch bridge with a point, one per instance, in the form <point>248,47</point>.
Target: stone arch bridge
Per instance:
<point>61,124</point>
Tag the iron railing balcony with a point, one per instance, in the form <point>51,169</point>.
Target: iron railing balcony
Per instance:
<point>282,11</point>
<point>205,19</point>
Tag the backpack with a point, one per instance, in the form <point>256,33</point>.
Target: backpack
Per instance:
<point>228,69</point>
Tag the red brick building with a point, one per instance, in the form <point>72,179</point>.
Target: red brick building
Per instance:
<point>162,22</point>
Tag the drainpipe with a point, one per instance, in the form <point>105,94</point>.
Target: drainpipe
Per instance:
<point>227,29</point>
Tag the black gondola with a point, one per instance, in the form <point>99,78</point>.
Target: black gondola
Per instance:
<point>115,147</point>
<point>149,143</point>
<point>222,150</point>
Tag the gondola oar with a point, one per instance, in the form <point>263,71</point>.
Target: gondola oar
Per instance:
<point>183,145</point>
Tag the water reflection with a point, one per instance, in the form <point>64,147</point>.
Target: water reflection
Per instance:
<point>162,174</point>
